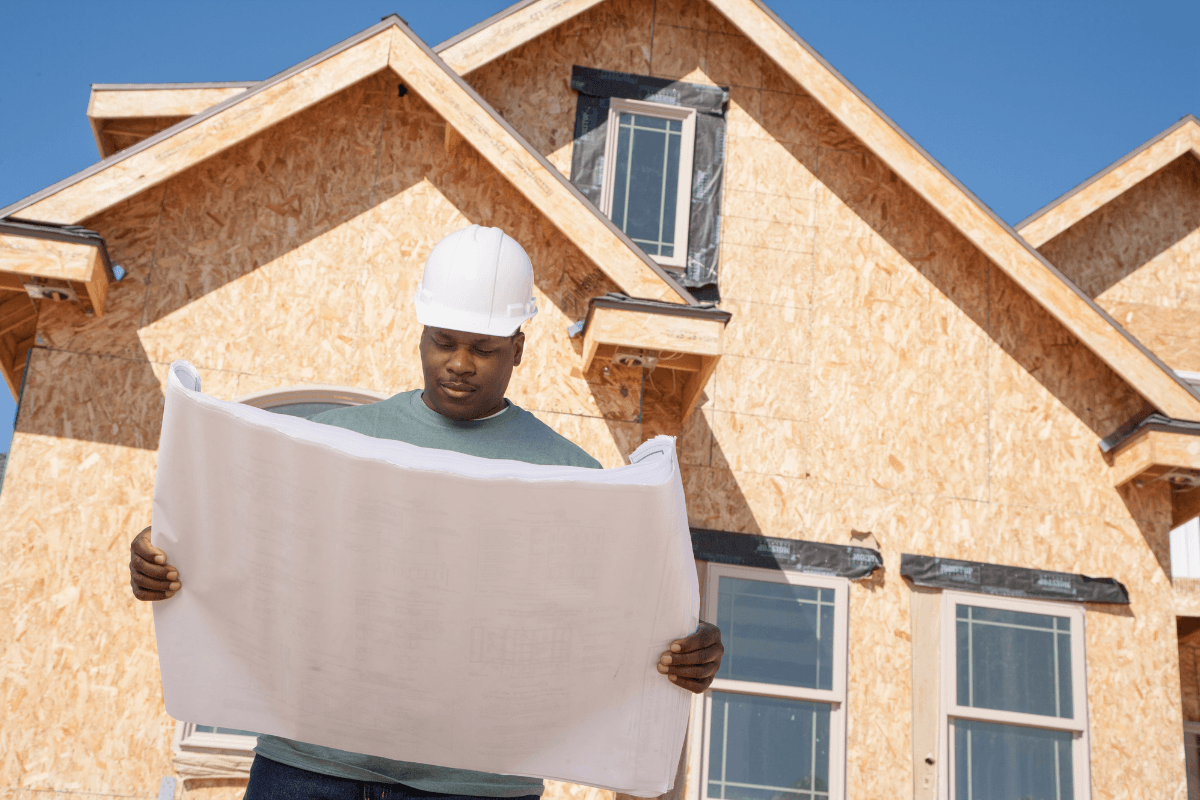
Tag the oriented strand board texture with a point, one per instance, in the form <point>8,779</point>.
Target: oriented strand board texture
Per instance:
<point>1139,257</point>
<point>291,259</point>
<point>880,375</point>
<point>530,85</point>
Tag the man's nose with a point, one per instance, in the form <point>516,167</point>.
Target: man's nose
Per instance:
<point>461,362</point>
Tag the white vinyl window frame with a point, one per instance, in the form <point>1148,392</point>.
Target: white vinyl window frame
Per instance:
<point>683,205</point>
<point>835,696</point>
<point>1077,725</point>
<point>188,739</point>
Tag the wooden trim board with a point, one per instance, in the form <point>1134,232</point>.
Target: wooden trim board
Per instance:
<point>80,265</point>
<point>691,345</point>
<point>110,101</point>
<point>507,31</point>
<point>1041,280</point>
<point>1153,454</point>
<point>641,330</point>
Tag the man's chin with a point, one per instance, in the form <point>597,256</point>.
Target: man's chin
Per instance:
<point>462,408</point>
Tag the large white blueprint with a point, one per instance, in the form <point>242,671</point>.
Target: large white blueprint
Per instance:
<point>418,604</point>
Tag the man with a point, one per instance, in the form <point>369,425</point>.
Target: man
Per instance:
<point>476,292</point>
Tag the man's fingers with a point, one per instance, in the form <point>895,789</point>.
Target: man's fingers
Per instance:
<point>703,656</point>
<point>141,546</point>
<point>705,636</point>
<point>698,673</point>
<point>694,686</point>
<point>140,581</point>
<point>162,572</point>
<point>146,594</point>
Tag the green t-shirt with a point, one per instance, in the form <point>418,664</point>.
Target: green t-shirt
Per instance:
<point>513,434</point>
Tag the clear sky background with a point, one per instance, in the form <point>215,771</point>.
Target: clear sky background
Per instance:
<point>1020,99</point>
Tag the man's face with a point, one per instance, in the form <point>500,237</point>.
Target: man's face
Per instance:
<point>466,374</point>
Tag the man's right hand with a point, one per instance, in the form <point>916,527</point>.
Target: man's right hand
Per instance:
<point>150,576</point>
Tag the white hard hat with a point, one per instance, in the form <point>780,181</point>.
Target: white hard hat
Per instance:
<point>477,280</point>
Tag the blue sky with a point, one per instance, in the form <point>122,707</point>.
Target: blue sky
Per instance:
<point>1020,100</point>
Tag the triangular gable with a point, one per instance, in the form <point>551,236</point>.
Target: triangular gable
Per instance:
<point>1077,312</point>
<point>389,44</point>
<point>1111,182</point>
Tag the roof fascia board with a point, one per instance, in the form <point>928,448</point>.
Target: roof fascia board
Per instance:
<point>54,233</point>
<point>157,100</point>
<point>153,160</point>
<point>1055,217</point>
<point>530,173</point>
<point>1077,312</point>
<point>506,31</point>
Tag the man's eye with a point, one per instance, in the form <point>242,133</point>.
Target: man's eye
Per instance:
<point>483,352</point>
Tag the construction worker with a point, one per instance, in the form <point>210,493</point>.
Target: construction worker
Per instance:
<point>476,292</point>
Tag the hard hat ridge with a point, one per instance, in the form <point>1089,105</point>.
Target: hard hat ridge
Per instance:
<point>478,280</point>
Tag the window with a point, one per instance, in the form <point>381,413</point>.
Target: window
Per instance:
<point>1185,550</point>
<point>666,138</point>
<point>647,185</point>
<point>304,401</point>
<point>1013,699</point>
<point>775,714</point>
<point>207,739</point>
<point>296,402</point>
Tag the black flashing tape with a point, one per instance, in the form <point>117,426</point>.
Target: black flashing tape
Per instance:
<point>596,87</point>
<point>793,555</point>
<point>997,579</point>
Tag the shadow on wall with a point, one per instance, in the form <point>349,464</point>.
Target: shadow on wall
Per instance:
<point>251,205</point>
<point>1012,319</point>
<point>1121,236</point>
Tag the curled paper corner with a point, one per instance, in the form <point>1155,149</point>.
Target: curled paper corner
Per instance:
<point>186,374</point>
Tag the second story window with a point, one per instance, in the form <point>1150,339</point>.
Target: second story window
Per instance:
<point>648,175</point>
<point>650,154</point>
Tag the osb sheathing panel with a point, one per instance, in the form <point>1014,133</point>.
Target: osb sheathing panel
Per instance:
<point>130,233</point>
<point>612,35</point>
<point>82,706</point>
<point>882,378</point>
<point>297,254</point>
<point>1139,257</point>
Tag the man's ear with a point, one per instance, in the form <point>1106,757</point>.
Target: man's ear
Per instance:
<point>518,347</point>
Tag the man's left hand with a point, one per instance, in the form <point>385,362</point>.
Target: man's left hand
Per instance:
<point>693,662</point>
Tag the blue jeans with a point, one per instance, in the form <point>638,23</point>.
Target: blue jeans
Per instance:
<point>270,780</point>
